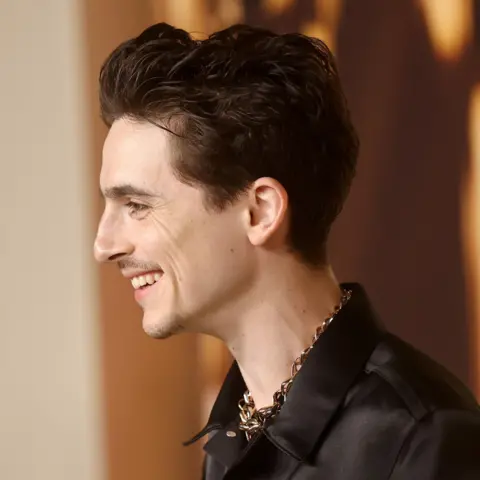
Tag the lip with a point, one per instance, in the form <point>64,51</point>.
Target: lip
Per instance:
<point>141,293</point>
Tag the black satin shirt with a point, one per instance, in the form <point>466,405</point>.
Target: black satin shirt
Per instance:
<point>364,406</point>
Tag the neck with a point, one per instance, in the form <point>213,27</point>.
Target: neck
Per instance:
<point>278,322</point>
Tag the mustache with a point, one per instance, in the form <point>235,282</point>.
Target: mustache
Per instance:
<point>137,265</point>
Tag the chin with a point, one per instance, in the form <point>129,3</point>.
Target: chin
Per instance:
<point>162,329</point>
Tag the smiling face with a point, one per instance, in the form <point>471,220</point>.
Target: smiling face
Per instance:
<point>159,232</point>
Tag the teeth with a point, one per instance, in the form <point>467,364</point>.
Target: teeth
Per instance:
<point>142,280</point>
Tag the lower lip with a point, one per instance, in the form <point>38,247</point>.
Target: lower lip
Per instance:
<point>141,293</point>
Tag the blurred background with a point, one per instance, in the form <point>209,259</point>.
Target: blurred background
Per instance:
<point>85,394</point>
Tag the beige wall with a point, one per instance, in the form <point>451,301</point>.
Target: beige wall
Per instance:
<point>49,382</point>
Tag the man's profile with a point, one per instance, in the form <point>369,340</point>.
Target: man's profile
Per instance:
<point>226,163</point>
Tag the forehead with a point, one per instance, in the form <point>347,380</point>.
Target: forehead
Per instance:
<point>136,153</point>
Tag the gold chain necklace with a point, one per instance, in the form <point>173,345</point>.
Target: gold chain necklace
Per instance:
<point>251,419</point>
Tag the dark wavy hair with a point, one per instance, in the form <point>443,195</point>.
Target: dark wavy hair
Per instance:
<point>242,104</point>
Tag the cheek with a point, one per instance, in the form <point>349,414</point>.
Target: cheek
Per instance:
<point>219,252</point>
<point>172,242</point>
<point>201,251</point>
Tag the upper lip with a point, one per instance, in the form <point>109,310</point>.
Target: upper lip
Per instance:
<point>131,273</point>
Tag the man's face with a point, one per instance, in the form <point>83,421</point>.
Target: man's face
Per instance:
<point>157,229</point>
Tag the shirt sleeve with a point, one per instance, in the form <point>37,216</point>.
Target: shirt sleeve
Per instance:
<point>445,445</point>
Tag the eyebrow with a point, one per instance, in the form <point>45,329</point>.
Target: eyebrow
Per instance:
<point>127,190</point>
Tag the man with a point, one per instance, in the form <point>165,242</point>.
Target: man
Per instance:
<point>226,163</point>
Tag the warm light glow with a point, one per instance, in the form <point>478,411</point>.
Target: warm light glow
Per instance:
<point>277,6</point>
<point>187,14</point>
<point>330,10</point>
<point>325,24</point>
<point>228,13</point>
<point>195,16</point>
<point>471,231</point>
<point>475,219</point>
<point>321,31</point>
<point>450,26</point>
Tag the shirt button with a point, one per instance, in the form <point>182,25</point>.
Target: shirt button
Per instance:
<point>231,434</point>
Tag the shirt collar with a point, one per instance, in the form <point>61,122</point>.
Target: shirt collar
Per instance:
<point>332,366</point>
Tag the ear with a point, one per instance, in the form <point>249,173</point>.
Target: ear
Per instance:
<point>267,207</point>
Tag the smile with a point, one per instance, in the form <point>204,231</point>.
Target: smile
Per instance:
<point>141,281</point>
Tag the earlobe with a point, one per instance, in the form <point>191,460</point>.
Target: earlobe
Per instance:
<point>268,203</point>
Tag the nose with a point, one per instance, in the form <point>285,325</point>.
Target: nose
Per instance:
<point>111,243</point>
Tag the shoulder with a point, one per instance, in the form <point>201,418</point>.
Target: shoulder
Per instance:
<point>422,385</point>
<point>437,417</point>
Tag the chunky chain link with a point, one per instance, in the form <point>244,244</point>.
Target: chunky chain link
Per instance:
<point>251,419</point>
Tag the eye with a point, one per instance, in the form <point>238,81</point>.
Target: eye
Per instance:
<point>134,207</point>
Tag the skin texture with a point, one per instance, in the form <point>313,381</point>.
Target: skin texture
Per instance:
<point>228,274</point>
